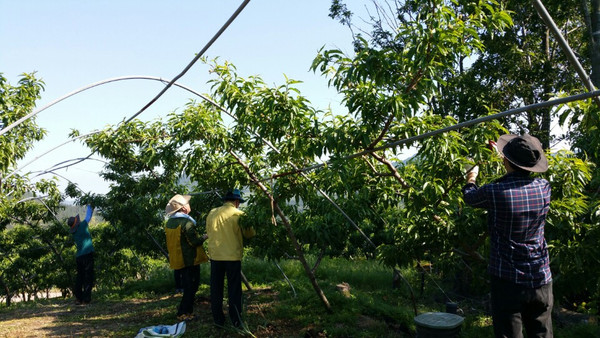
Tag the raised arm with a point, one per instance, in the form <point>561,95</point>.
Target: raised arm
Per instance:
<point>89,212</point>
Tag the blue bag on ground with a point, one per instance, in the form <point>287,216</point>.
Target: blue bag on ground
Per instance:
<point>175,330</point>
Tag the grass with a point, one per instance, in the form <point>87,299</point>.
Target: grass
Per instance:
<point>372,308</point>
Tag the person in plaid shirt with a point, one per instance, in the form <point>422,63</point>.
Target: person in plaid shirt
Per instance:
<point>517,205</point>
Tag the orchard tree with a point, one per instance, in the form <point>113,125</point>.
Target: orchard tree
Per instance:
<point>389,85</point>
<point>247,134</point>
<point>197,145</point>
<point>591,14</point>
<point>15,103</point>
<point>276,129</point>
<point>144,168</point>
<point>30,206</point>
<point>516,64</point>
<point>519,64</point>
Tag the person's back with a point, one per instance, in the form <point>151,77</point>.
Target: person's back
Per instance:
<point>84,257</point>
<point>184,244</point>
<point>225,246</point>
<point>81,233</point>
<point>517,205</point>
<point>225,234</point>
<point>519,267</point>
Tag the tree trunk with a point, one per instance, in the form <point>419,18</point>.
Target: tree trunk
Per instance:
<point>290,232</point>
<point>58,255</point>
<point>593,20</point>
<point>6,291</point>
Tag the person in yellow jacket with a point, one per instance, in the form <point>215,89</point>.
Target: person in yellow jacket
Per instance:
<point>225,246</point>
<point>184,244</point>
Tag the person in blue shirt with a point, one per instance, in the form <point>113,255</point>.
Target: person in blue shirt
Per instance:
<point>84,257</point>
<point>517,205</point>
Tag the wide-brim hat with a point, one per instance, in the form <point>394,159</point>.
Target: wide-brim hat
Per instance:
<point>524,151</point>
<point>177,202</point>
<point>73,221</point>
<point>234,194</point>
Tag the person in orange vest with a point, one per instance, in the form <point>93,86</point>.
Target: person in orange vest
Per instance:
<point>224,226</point>
<point>184,244</point>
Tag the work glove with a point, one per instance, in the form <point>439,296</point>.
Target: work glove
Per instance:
<point>472,172</point>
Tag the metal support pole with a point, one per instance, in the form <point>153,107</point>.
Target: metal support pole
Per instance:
<point>411,139</point>
<point>169,84</point>
<point>564,45</point>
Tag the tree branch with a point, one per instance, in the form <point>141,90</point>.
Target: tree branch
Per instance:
<point>290,232</point>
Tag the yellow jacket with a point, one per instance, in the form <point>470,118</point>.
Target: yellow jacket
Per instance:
<point>225,241</point>
<point>184,243</point>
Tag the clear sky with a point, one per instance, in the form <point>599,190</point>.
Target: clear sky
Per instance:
<point>74,43</point>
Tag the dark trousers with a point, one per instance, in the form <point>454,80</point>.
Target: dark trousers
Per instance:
<point>84,282</point>
<point>190,280</point>
<point>178,283</point>
<point>515,307</point>
<point>233,269</point>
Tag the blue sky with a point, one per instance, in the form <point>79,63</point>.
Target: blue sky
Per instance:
<point>71,44</point>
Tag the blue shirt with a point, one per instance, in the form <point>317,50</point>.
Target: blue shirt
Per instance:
<point>182,215</point>
<point>517,206</point>
<point>81,235</point>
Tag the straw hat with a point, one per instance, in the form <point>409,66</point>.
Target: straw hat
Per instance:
<point>523,151</point>
<point>177,202</point>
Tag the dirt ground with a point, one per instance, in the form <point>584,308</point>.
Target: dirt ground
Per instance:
<point>62,318</point>
<point>59,317</point>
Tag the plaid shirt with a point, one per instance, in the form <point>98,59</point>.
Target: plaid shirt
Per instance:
<point>517,206</point>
